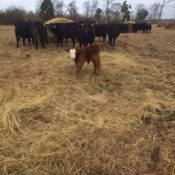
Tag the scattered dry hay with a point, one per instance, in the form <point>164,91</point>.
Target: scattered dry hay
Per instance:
<point>121,122</point>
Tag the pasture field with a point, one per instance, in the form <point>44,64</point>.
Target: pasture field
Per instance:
<point>119,123</point>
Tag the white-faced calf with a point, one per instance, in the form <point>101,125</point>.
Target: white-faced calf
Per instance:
<point>86,54</point>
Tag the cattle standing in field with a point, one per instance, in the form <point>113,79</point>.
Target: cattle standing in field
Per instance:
<point>85,33</point>
<point>144,27</point>
<point>30,30</point>
<point>63,31</point>
<point>101,31</point>
<point>113,32</point>
<point>86,54</point>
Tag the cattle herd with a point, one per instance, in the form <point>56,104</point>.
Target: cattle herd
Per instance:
<point>84,32</point>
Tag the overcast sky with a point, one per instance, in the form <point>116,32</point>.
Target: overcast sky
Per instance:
<point>169,12</point>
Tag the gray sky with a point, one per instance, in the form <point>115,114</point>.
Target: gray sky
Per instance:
<point>169,12</point>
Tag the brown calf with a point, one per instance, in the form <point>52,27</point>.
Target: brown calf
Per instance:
<point>86,54</point>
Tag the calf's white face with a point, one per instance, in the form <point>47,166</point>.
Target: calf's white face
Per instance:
<point>72,53</point>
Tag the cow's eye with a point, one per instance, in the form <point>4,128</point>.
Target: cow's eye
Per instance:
<point>92,24</point>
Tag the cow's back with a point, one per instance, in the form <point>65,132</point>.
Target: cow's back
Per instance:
<point>88,52</point>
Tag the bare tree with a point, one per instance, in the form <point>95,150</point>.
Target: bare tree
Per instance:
<point>94,7</point>
<point>126,11</point>
<point>163,4</point>
<point>116,11</point>
<point>58,7</point>
<point>87,8</point>
<point>46,10</point>
<point>14,14</point>
<point>154,11</point>
<point>139,6</point>
<point>72,10</point>
<point>98,15</point>
<point>141,12</point>
<point>31,16</point>
<point>108,4</point>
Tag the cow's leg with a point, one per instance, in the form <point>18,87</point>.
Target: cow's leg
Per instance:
<point>85,44</point>
<point>80,66</point>
<point>110,41</point>
<point>73,42</point>
<point>66,41</point>
<point>36,43</point>
<point>17,41</point>
<point>76,64</point>
<point>80,43</point>
<point>58,42</point>
<point>113,42</point>
<point>95,66</point>
<point>104,38</point>
<point>23,40</point>
<point>42,42</point>
<point>33,41</point>
<point>61,41</point>
<point>98,63</point>
<point>29,41</point>
<point>46,36</point>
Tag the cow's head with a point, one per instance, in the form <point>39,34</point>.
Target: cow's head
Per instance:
<point>72,53</point>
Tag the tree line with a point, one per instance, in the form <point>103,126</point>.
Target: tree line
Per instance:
<point>113,11</point>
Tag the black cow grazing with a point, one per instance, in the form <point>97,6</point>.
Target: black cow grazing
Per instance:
<point>101,31</point>
<point>63,31</point>
<point>30,30</point>
<point>85,33</point>
<point>144,27</point>
<point>113,32</point>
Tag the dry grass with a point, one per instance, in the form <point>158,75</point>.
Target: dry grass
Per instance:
<point>119,123</point>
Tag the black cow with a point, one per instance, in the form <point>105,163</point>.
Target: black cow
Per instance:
<point>30,30</point>
<point>113,32</point>
<point>23,29</point>
<point>148,27</point>
<point>124,28</point>
<point>101,31</point>
<point>85,33</point>
<point>144,27</point>
<point>63,31</point>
